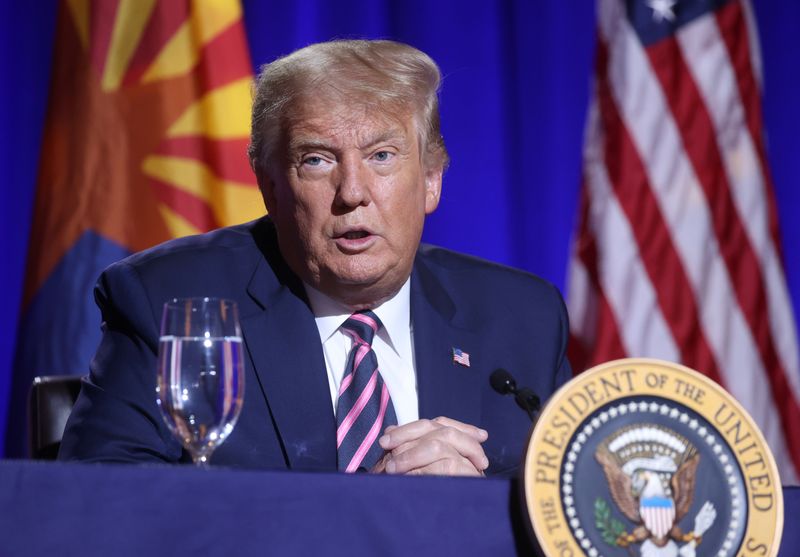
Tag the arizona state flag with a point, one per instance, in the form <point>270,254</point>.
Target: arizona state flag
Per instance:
<point>145,140</point>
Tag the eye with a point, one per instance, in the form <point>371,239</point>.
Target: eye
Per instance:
<point>312,161</point>
<point>382,156</point>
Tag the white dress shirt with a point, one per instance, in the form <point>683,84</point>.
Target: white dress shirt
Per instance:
<point>392,346</point>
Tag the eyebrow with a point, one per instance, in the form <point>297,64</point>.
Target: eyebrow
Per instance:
<point>390,134</point>
<point>305,143</point>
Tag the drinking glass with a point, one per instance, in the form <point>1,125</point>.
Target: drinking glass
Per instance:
<point>200,383</point>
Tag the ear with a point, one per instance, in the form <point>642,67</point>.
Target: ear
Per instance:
<point>433,188</point>
<point>267,187</point>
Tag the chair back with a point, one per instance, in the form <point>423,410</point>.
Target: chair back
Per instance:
<point>50,403</point>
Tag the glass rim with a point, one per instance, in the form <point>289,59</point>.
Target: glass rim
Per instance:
<point>176,302</point>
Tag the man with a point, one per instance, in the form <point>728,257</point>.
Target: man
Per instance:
<point>349,157</point>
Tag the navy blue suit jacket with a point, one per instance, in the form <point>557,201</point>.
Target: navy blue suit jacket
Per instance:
<point>503,318</point>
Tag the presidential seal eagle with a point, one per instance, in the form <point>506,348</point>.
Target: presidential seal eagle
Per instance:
<point>651,473</point>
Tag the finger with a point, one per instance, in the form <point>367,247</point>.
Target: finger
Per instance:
<point>395,436</point>
<point>437,445</point>
<point>447,467</point>
<point>464,443</point>
<point>380,466</point>
<point>411,431</point>
<point>431,439</point>
<point>400,449</point>
<point>479,434</point>
<point>418,455</point>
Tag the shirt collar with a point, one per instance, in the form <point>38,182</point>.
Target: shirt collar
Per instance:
<point>394,313</point>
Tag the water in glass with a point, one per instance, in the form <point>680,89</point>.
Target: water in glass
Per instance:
<point>200,372</point>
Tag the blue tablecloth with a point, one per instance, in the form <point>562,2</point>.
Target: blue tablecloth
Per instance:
<point>71,509</point>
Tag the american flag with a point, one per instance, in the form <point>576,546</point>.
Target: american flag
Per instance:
<point>677,253</point>
<point>460,357</point>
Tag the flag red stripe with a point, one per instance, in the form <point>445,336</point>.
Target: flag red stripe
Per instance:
<point>699,138</point>
<point>733,28</point>
<point>658,254</point>
<point>166,19</point>
<point>606,343</point>
<point>196,211</point>
<point>227,158</point>
<point>102,16</point>
<point>225,58</point>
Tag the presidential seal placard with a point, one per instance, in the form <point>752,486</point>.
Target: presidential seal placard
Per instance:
<point>646,457</point>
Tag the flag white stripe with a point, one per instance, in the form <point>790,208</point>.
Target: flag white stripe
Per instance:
<point>642,327</point>
<point>581,300</point>
<point>754,43</point>
<point>712,71</point>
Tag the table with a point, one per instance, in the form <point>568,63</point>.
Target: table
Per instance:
<point>49,508</point>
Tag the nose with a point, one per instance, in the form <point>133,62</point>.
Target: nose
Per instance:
<point>352,183</point>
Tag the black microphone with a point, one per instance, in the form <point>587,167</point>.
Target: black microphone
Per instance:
<point>505,384</point>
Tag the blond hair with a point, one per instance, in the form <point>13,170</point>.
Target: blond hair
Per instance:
<point>394,76</point>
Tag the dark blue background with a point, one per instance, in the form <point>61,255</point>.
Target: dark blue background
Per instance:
<point>516,88</point>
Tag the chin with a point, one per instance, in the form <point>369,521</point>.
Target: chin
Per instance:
<point>359,270</point>
<point>357,281</point>
<point>362,286</point>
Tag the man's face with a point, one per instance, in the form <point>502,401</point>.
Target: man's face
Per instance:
<point>349,198</point>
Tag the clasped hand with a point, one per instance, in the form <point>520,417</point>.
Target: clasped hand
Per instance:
<point>441,446</point>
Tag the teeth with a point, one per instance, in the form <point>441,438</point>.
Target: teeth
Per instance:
<point>355,235</point>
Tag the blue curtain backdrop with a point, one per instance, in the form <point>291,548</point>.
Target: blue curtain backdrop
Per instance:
<point>516,88</point>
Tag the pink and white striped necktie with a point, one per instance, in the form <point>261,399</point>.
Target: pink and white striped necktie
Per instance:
<point>364,408</point>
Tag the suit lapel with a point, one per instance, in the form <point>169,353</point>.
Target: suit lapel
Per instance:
<point>283,342</point>
<point>445,388</point>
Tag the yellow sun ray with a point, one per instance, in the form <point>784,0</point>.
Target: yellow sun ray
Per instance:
<point>231,202</point>
<point>221,114</point>
<point>208,19</point>
<point>80,16</point>
<point>132,17</point>
<point>177,225</point>
<point>212,17</point>
<point>242,204</point>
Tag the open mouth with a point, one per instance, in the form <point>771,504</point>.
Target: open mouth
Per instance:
<point>355,235</point>
<point>355,240</point>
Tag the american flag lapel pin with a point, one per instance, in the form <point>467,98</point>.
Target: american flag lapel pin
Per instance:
<point>460,357</point>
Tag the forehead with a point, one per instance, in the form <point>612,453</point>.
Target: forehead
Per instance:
<point>337,119</point>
